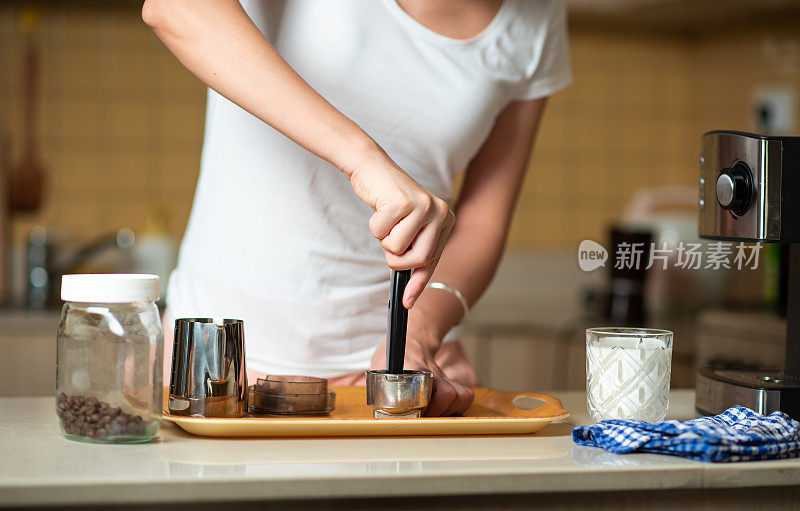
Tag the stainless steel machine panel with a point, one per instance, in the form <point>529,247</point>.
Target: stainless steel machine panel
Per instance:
<point>761,157</point>
<point>750,191</point>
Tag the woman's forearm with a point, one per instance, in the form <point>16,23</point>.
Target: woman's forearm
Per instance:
<point>468,263</point>
<point>219,43</point>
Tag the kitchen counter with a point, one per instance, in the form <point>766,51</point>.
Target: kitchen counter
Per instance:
<point>39,467</point>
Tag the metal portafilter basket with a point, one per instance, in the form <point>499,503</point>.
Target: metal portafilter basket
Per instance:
<point>402,395</point>
<point>396,393</point>
<point>208,368</point>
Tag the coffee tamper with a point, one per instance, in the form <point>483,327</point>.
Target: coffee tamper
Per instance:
<point>396,393</point>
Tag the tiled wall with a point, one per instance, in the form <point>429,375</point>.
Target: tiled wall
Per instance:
<point>121,121</point>
<point>620,127</point>
<point>733,63</point>
<point>120,124</point>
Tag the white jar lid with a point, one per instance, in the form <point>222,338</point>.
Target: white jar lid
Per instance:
<point>109,288</point>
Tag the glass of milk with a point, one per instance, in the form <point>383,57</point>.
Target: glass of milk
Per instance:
<point>627,373</point>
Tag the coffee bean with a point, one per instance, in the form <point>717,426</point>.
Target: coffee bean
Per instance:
<point>92,418</point>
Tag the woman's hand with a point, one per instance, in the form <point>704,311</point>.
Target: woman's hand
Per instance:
<point>448,397</point>
<point>411,223</point>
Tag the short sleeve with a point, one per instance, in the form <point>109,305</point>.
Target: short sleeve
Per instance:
<point>550,70</point>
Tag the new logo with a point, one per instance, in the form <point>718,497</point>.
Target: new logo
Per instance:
<point>591,255</point>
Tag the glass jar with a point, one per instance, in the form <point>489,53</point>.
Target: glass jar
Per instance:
<point>109,362</point>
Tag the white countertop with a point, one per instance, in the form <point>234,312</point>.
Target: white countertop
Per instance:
<point>38,466</point>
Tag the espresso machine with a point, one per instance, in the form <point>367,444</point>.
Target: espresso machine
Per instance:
<point>750,191</point>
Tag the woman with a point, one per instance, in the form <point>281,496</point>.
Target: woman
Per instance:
<point>398,95</point>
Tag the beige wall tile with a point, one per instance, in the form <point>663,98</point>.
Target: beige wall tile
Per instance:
<point>178,169</point>
<point>78,26</point>
<point>130,71</point>
<point>131,32</point>
<point>80,70</point>
<point>126,169</point>
<point>131,120</point>
<point>78,170</point>
<point>180,122</point>
<point>77,119</point>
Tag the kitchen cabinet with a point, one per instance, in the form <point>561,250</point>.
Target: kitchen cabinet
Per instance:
<point>28,345</point>
<point>548,351</point>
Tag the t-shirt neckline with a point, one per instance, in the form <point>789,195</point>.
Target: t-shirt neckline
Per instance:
<point>407,20</point>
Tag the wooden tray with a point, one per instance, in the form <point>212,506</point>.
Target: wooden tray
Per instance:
<point>494,412</point>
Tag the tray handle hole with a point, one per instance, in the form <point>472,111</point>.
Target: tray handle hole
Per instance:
<point>527,402</point>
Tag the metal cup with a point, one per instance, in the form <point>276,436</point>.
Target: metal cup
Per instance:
<point>208,368</point>
<point>398,396</point>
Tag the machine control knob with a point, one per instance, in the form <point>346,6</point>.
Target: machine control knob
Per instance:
<point>725,188</point>
<point>735,188</point>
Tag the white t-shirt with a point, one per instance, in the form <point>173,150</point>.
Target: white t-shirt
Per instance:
<point>277,237</point>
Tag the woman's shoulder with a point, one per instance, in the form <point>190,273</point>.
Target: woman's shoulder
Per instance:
<point>532,18</point>
<point>533,47</point>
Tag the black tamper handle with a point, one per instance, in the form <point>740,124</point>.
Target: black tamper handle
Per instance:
<point>398,321</point>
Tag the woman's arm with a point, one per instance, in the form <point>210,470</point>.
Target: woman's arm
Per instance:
<point>219,43</point>
<point>472,253</point>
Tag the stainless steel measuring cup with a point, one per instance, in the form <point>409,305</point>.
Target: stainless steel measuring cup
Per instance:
<point>208,376</point>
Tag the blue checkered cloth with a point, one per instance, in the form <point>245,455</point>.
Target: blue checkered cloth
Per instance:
<point>737,434</point>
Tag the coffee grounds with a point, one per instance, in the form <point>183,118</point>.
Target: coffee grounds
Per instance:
<point>91,418</point>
